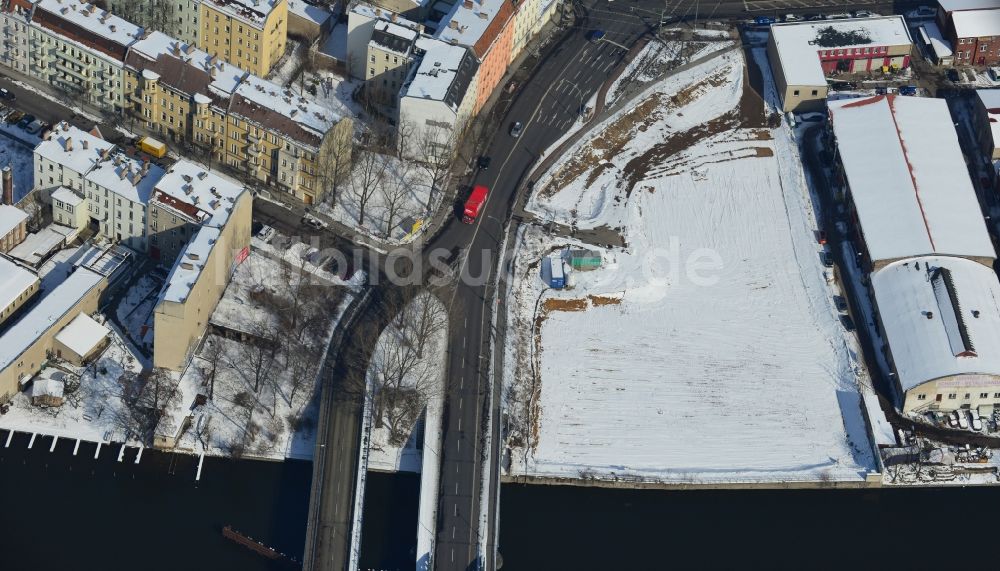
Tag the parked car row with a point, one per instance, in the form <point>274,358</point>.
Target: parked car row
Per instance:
<point>767,20</point>
<point>965,419</point>
<point>27,122</point>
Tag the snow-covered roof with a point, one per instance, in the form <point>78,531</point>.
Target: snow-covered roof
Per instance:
<point>405,36</point>
<point>277,108</point>
<point>10,218</point>
<point>73,148</point>
<point>193,191</point>
<point>212,73</point>
<point>991,101</point>
<point>976,23</point>
<point>45,313</point>
<point>46,387</point>
<point>935,39</point>
<point>435,77</point>
<point>38,245</point>
<point>93,19</point>
<point>67,196</point>
<point>14,281</point>
<point>191,261</point>
<point>468,21</point>
<point>907,178</point>
<point>953,5</point>
<point>126,176</point>
<point>799,54</point>
<point>251,11</point>
<point>83,335</point>
<point>315,14</point>
<point>941,317</point>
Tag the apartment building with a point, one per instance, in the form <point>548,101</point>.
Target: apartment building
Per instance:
<point>529,18</point>
<point>487,28</point>
<point>177,18</point>
<point>238,119</point>
<point>80,49</point>
<point>15,18</point>
<point>973,30</point>
<point>65,157</point>
<point>200,223</point>
<point>98,185</point>
<point>437,101</point>
<point>250,34</point>
<point>390,56</point>
<point>280,138</point>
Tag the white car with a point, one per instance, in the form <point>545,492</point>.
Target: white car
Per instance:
<point>977,423</point>
<point>963,421</point>
<point>792,18</point>
<point>953,419</point>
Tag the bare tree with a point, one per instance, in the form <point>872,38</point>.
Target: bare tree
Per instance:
<point>212,353</point>
<point>424,318</point>
<point>394,191</point>
<point>436,146</point>
<point>369,171</point>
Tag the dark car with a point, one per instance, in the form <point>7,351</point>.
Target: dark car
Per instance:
<point>515,129</point>
<point>25,121</point>
<point>14,117</point>
<point>595,35</point>
<point>484,162</point>
<point>908,90</point>
<point>763,20</point>
<point>840,303</point>
<point>953,75</point>
<point>814,17</point>
<point>847,322</point>
<point>827,259</point>
<point>7,94</point>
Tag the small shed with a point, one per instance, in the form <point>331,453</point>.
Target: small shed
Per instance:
<point>584,260</point>
<point>81,340</point>
<point>47,392</point>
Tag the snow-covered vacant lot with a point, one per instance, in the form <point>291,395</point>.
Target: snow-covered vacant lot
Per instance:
<point>738,371</point>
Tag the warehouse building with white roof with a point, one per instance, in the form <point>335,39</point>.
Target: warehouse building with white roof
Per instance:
<point>804,54</point>
<point>940,318</point>
<point>907,186</point>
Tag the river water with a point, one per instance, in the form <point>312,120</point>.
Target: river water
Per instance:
<point>76,513</point>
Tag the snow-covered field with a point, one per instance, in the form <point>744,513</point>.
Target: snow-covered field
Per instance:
<point>708,349</point>
<point>659,56</point>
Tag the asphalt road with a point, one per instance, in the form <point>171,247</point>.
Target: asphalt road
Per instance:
<point>547,105</point>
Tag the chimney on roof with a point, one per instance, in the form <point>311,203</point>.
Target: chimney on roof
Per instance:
<point>378,12</point>
<point>104,17</point>
<point>483,15</point>
<point>136,178</point>
<point>113,28</point>
<point>394,17</point>
<point>212,73</point>
<point>193,256</point>
<point>202,175</point>
<point>467,4</point>
<point>453,24</point>
<point>8,186</point>
<point>85,144</point>
<point>122,173</point>
<point>69,144</point>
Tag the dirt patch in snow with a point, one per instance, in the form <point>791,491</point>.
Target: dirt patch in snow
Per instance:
<point>764,151</point>
<point>599,300</point>
<point>554,304</point>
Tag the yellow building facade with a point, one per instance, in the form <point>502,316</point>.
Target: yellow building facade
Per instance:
<point>250,35</point>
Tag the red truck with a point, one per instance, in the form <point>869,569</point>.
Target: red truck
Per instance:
<point>474,203</point>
